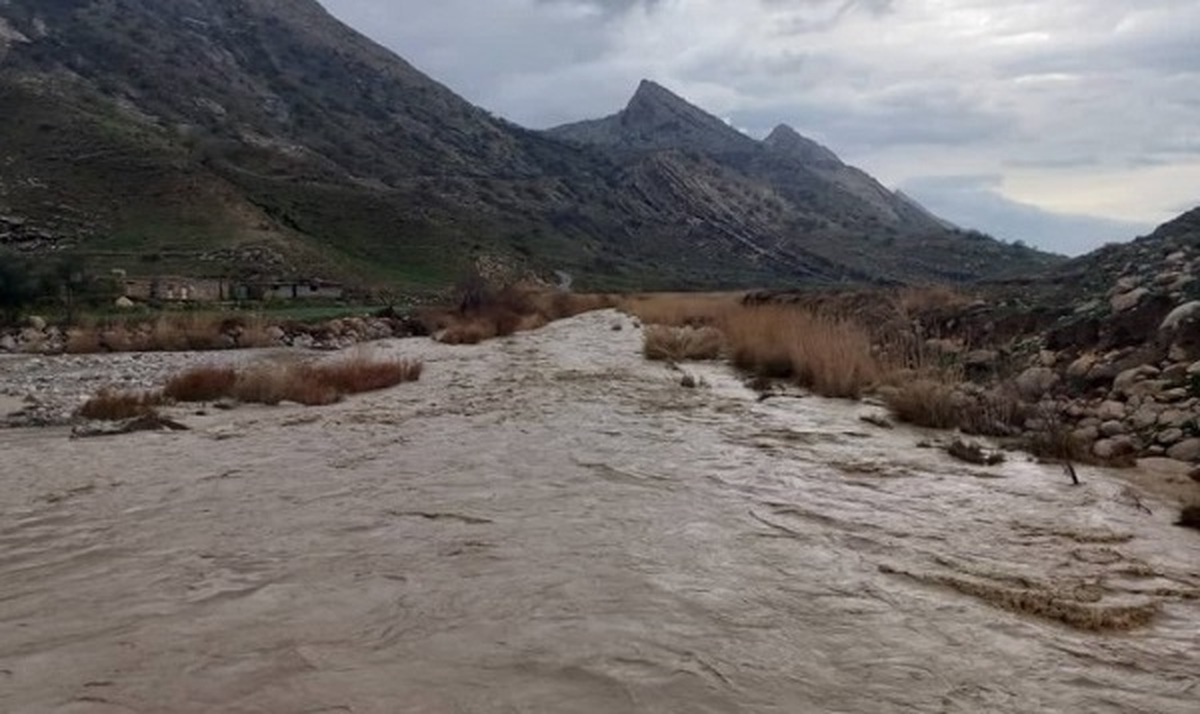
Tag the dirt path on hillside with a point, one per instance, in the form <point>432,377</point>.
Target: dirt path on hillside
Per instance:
<point>549,524</point>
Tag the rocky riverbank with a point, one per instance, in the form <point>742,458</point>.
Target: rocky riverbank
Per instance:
<point>203,332</point>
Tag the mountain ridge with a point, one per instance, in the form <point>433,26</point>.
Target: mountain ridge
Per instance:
<point>185,136</point>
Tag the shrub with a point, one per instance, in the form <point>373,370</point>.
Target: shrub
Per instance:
<point>485,313</point>
<point>923,402</point>
<point>361,374</point>
<point>308,384</point>
<point>111,405</point>
<point>272,384</point>
<point>681,309</point>
<point>201,384</point>
<point>832,357</point>
<point>681,343</point>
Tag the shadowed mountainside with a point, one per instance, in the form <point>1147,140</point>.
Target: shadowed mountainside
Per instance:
<point>264,137</point>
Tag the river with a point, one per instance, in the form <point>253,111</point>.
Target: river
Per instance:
<point>548,523</point>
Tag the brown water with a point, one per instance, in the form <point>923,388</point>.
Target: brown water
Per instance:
<point>549,524</point>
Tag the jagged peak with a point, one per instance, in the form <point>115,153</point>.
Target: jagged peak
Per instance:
<point>651,94</point>
<point>785,139</point>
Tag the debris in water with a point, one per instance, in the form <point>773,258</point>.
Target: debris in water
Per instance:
<point>973,453</point>
<point>146,422</point>
<point>878,420</point>
<point>1189,517</point>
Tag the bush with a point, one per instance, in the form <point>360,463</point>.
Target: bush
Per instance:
<point>484,313</point>
<point>308,384</point>
<point>111,405</point>
<point>923,402</point>
<point>832,357</point>
<point>681,343</point>
<point>361,374</point>
<point>201,384</point>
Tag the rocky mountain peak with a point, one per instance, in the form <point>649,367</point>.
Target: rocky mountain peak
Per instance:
<point>785,139</point>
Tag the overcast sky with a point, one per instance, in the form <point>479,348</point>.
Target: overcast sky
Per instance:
<point>997,114</point>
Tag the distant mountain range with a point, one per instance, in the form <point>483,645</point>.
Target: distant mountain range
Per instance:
<point>264,137</point>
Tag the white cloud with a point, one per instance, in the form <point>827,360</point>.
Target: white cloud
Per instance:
<point>1077,105</point>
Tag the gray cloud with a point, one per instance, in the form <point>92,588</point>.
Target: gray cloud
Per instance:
<point>1083,107</point>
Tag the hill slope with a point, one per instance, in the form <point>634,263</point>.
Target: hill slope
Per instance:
<point>263,136</point>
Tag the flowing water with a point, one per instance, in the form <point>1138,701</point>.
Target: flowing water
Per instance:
<point>547,523</point>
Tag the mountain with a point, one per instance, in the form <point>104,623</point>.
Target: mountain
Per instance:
<point>263,137</point>
<point>787,196</point>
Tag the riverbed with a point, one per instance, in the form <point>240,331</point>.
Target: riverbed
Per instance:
<point>549,523</point>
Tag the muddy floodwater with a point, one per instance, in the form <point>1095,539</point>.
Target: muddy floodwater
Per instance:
<point>548,523</point>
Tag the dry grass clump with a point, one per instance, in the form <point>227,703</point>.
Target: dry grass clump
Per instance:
<point>484,314</point>
<point>682,309</point>
<point>833,357</point>
<point>112,405</point>
<point>307,384</point>
<point>270,385</point>
<point>201,384</point>
<point>466,332</point>
<point>362,374</point>
<point>676,344</point>
<point>170,333</point>
<point>924,402</point>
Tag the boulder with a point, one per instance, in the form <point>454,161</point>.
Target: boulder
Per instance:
<point>1125,284</point>
<point>1145,417</point>
<point>1176,375</point>
<point>1036,381</point>
<point>1169,437</point>
<point>1112,428</point>
<point>1170,395</point>
<point>1187,450</point>
<point>1110,409</point>
<point>1080,367</point>
<point>1181,314</point>
<point>36,323</point>
<point>1125,382</point>
<point>1173,418</point>
<point>8,343</point>
<point>1129,300</point>
<point>124,303</point>
<point>1108,449</point>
